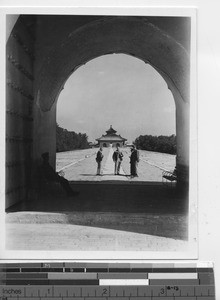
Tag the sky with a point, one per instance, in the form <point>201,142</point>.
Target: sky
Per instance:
<point>118,90</point>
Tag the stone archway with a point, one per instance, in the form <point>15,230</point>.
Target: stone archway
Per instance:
<point>129,35</point>
<point>43,51</point>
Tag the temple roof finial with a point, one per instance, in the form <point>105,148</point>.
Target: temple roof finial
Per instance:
<point>111,136</point>
<point>111,130</point>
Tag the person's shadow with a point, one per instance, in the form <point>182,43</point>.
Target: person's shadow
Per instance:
<point>88,175</point>
<point>110,174</point>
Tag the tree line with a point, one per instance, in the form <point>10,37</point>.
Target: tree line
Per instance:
<point>162,143</point>
<point>70,140</point>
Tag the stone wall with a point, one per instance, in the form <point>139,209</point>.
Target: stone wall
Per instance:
<point>19,112</point>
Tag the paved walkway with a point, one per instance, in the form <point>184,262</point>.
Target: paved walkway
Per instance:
<point>105,216</point>
<point>108,169</point>
<point>80,165</point>
<point>102,217</point>
<point>85,238</point>
<point>91,231</point>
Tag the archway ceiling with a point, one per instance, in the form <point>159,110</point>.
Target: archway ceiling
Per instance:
<point>129,35</point>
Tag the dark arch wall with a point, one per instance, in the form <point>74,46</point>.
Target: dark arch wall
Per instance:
<point>129,35</point>
<point>61,44</point>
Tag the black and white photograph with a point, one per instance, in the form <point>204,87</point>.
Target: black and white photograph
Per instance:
<point>100,134</point>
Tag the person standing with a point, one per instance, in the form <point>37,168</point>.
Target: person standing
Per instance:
<point>99,157</point>
<point>134,159</point>
<point>117,158</point>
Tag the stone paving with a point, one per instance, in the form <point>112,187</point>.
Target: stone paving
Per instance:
<point>96,231</point>
<point>81,165</point>
<point>108,169</point>
<point>112,212</point>
<point>66,237</point>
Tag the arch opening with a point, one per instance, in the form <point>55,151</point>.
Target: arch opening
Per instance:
<point>123,91</point>
<point>141,39</point>
<point>41,58</point>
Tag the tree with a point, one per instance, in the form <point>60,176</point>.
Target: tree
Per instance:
<point>70,140</point>
<point>162,143</point>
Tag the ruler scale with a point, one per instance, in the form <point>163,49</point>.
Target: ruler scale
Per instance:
<point>107,281</point>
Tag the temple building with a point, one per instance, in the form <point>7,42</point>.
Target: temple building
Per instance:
<point>111,139</point>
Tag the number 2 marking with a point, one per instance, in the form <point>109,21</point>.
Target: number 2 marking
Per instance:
<point>104,292</point>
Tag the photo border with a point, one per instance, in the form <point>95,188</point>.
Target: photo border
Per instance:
<point>192,253</point>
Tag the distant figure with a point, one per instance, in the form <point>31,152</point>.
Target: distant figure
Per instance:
<point>99,158</point>
<point>49,174</point>
<point>134,159</point>
<point>117,158</point>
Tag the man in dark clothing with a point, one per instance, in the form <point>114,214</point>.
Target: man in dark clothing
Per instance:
<point>134,159</point>
<point>49,174</point>
<point>99,157</point>
<point>117,158</point>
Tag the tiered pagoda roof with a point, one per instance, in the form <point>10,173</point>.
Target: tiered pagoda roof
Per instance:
<point>111,136</point>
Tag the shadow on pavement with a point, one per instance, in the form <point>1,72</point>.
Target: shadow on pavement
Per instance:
<point>148,209</point>
<point>110,174</point>
<point>88,175</point>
